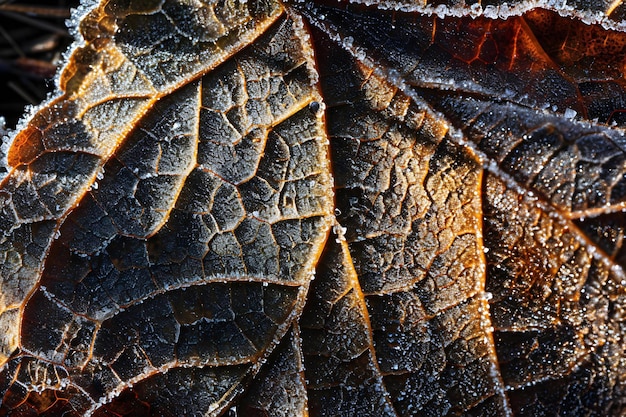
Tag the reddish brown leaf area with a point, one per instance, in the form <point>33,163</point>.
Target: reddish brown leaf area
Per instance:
<point>323,208</point>
<point>561,62</point>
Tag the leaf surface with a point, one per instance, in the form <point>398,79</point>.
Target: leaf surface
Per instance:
<point>452,181</point>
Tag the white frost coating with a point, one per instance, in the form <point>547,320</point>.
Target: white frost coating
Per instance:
<point>441,11</point>
<point>502,11</point>
<point>475,10</point>
<point>396,79</point>
<point>570,113</point>
<point>305,39</point>
<point>494,369</point>
<point>347,42</point>
<point>5,139</point>
<point>340,231</point>
<point>76,16</point>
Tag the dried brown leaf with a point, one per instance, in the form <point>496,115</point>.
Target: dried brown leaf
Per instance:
<point>445,172</point>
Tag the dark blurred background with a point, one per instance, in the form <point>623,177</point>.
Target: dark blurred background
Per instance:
<point>33,37</point>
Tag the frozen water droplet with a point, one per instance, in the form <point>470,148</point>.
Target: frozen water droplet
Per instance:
<point>570,114</point>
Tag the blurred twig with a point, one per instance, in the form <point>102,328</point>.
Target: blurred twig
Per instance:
<point>35,10</point>
<point>32,38</point>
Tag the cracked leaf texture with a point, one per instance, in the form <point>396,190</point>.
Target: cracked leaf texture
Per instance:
<point>321,208</point>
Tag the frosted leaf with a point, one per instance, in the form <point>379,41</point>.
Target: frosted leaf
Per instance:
<point>316,208</point>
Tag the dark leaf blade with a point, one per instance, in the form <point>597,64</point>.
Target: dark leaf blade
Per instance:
<point>476,266</point>
<point>409,199</point>
<point>65,145</point>
<point>279,388</point>
<point>539,59</point>
<point>343,376</point>
<point>188,258</point>
<point>541,268</point>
